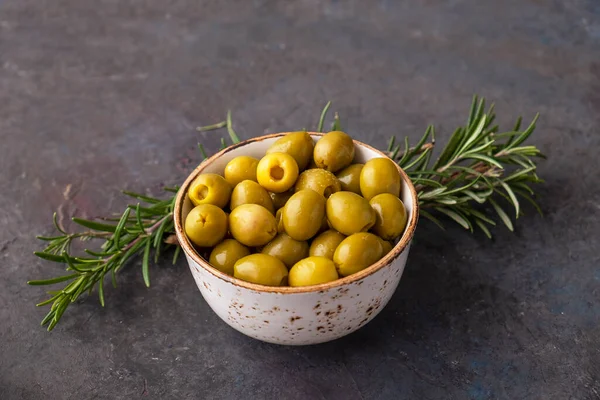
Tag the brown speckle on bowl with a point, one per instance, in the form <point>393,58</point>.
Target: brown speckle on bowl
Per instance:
<point>294,318</point>
<point>317,306</point>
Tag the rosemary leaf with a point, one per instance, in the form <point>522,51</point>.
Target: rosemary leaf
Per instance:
<point>234,137</point>
<point>101,290</point>
<point>120,226</point>
<point>323,115</point>
<point>462,221</point>
<point>176,254</point>
<point>145,263</point>
<point>52,281</point>
<point>49,256</point>
<point>432,219</point>
<point>94,225</point>
<point>484,228</point>
<point>502,215</point>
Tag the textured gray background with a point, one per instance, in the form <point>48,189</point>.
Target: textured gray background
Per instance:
<point>105,95</point>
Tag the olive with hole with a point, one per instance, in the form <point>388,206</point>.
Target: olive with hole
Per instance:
<point>357,252</point>
<point>349,213</point>
<point>210,189</point>
<point>303,214</point>
<point>312,271</point>
<point>250,192</point>
<point>380,175</point>
<point>325,244</point>
<point>391,216</point>
<point>224,255</point>
<point>298,145</point>
<point>262,269</point>
<point>206,225</point>
<point>286,249</point>
<point>349,178</point>
<point>279,199</point>
<point>321,181</point>
<point>239,169</point>
<point>334,151</point>
<point>252,225</point>
<point>277,172</point>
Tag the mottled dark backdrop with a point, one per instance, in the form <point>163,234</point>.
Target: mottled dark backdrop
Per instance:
<point>105,95</point>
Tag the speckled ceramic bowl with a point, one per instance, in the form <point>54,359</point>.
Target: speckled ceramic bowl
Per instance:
<point>296,315</point>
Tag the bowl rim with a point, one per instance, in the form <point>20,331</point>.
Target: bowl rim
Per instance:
<point>188,248</point>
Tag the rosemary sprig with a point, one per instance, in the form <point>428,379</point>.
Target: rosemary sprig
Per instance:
<point>478,167</point>
<point>139,227</point>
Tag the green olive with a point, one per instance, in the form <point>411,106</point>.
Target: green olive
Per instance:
<point>206,225</point>
<point>386,246</point>
<point>321,181</point>
<point>349,213</point>
<point>279,199</point>
<point>349,177</point>
<point>334,151</point>
<point>288,250</point>
<point>250,192</point>
<point>357,252</point>
<point>380,175</point>
<point>240,169</point>
<point>325,244</point>
<point>391,216</point>
<point>225,255</point>
<point>262,269</point>
<point>298,145</point>
<point>312,271</point>
<point>252,225</point>
<point>277,172</point>
<point>303,214</point>
<point>210,189</point>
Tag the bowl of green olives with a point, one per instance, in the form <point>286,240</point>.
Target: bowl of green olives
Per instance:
<point>297,238</point>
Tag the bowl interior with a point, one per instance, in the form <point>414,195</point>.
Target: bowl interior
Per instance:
<point>257,148</point>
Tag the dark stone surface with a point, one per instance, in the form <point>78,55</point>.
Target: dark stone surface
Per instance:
<point>105,95</point>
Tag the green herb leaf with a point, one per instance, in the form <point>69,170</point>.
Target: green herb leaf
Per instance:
<point>462,221</point>
<point>234,137</point>
<point>323,115</point>
<point>145,263</point>
<point>101,290</point>
<point>50,257</point>
<point>52,281</point>
<point>212,127</point>
<point>502,215</point>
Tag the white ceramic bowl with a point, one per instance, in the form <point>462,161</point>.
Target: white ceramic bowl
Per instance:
<point>296,315</point>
